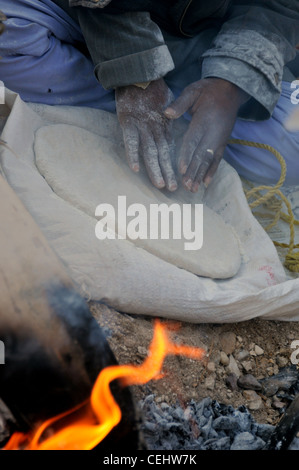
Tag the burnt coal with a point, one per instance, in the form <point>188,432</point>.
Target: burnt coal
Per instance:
<point>206,425</point>
<point>285,435</point>
<point>286,380</point>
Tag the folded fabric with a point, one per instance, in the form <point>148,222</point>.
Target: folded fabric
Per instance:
<point>126,276</point>
<point>41,57</point>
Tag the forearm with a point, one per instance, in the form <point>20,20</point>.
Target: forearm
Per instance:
<point>251,50</point>
<point>125,49</point>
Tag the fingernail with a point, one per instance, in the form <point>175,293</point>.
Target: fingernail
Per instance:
<point>183,169</point>
<point>135,167</point>
<point>207,181</point>
<point>188,184</point>
<point>161,184</point>
<point>195,187</point>
<point>169,112</point>
<point>173,187</point>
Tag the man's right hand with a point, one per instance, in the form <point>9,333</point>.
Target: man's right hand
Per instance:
<point>147,131</point>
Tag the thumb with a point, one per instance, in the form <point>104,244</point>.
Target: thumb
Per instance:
<point>180,105</point>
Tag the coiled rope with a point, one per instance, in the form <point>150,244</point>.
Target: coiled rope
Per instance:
<point>271,202</point>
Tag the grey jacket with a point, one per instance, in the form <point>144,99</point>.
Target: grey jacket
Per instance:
<point>252,42</point>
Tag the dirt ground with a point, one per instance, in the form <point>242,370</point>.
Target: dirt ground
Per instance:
<point>259,347</point>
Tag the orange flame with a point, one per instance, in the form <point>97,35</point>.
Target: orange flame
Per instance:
<point>88,430</point>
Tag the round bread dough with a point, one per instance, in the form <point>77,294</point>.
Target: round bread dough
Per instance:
<point>86,170</point>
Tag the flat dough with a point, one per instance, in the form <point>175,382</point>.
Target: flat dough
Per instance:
<point>86,170</point>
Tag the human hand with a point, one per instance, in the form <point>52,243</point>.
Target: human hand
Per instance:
<point>147,131</point>
<point>213,104</point>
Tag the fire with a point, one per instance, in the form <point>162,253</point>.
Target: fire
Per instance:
<point>89,423</point>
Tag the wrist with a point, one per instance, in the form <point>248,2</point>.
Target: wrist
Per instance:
<point>233,91</point>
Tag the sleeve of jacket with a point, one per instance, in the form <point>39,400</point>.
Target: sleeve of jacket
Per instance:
<point>127,48</point>
<point>251,50</point>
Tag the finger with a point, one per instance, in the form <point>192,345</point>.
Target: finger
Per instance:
<point>203,168</point>
<point>191,142</point>
<point>131,141</point>
<point>169,133</point>
<point>171,143</point>
<point>213,167</point>
<point>181,105</point>
<point>188,148</point>
<point>164,151</point>
<point>200,163</point>
<point>151,160</point>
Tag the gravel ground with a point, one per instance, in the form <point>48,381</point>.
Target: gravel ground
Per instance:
<point>255,350</point>
<point>231,399</point>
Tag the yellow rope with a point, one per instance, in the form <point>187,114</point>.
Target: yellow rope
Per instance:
<point>271,202</point>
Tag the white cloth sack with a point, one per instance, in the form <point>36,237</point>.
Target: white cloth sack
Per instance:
<point>129,278</point>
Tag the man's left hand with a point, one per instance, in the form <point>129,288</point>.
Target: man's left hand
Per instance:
<point>213,104</point>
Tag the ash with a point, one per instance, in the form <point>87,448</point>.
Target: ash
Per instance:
<point>206,425</point>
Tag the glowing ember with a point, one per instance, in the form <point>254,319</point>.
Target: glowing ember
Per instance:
<point>88,424</point>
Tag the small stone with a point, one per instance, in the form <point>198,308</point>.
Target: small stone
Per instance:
<point>278,405</point>
<point>188,413</point>
<point>247,366</point>
<point>258,350</point>
<point>231,382</point>
<point>233,366</point>
<point>252,353</point>
<point>211,367</point>
<point>249,395</point>
<point>224,360</point>
<point>240,339</point>
<point>228,342</point>
<point>210,382</point>
<point>249,382</point>
<point>253,399</point>
<point>242,355</point>
<point>255,404</point>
